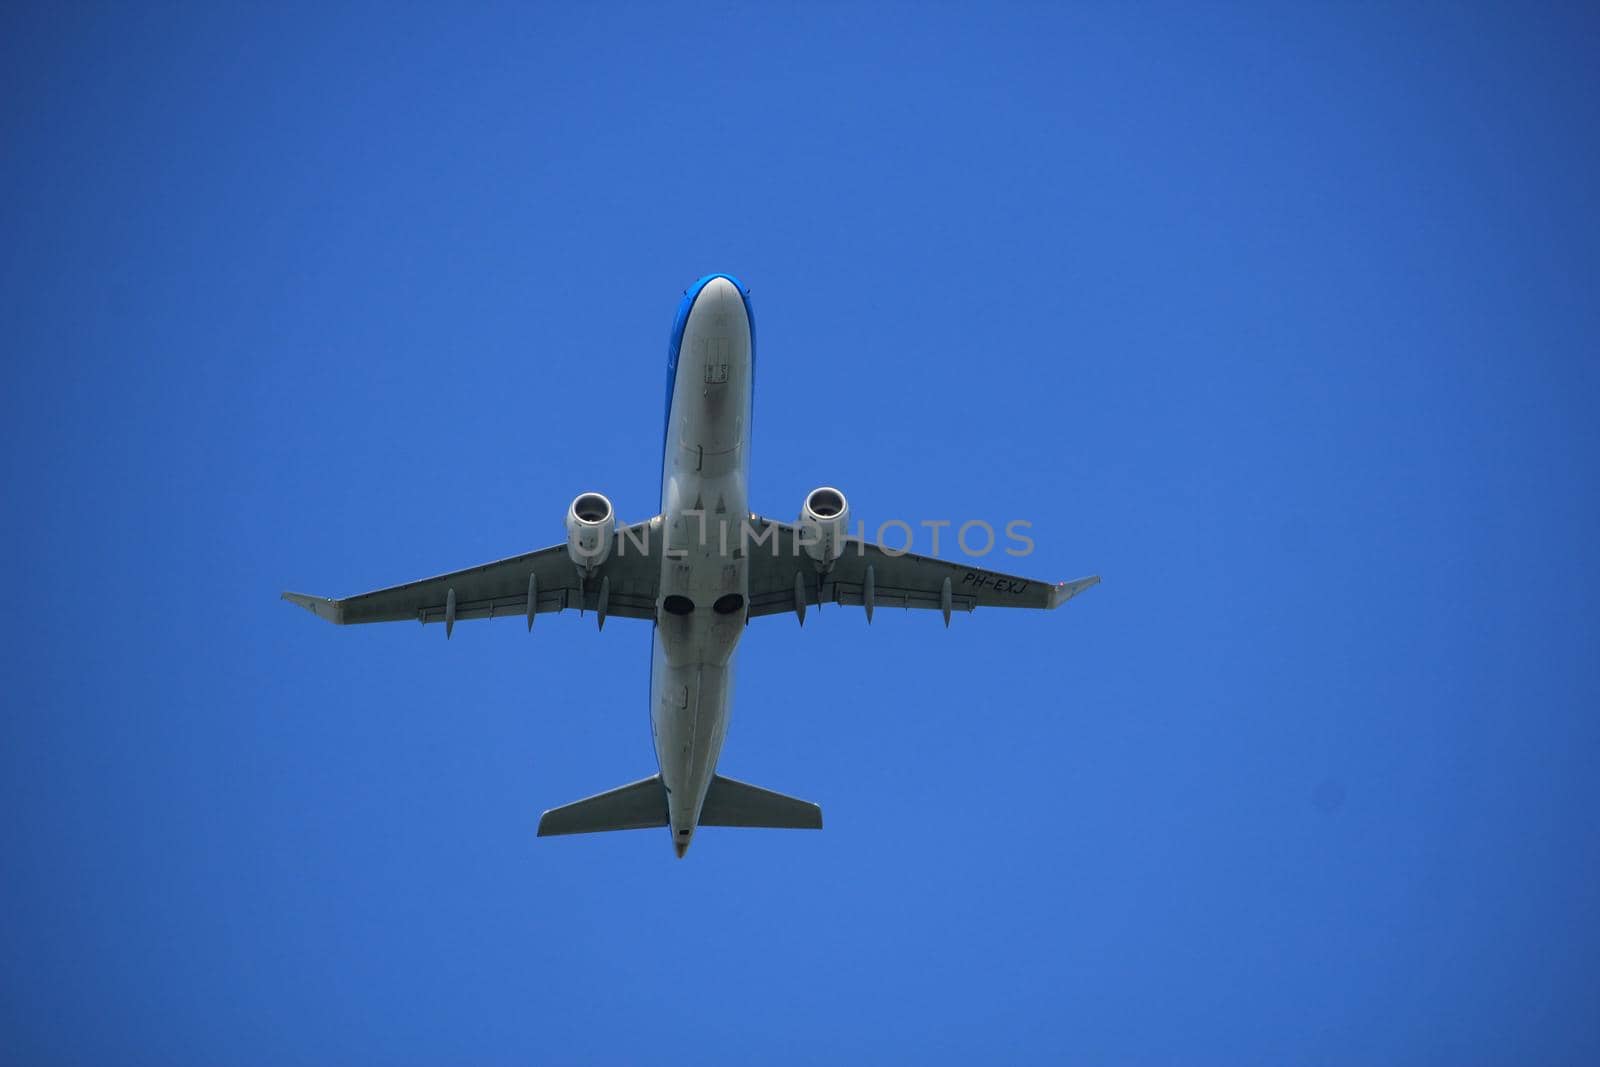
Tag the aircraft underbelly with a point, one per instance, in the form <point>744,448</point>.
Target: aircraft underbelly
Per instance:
<point>704,581</point>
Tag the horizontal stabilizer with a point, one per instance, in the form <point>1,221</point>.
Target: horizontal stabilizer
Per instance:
<point>637,806</point>
<point>642,805</point>
<point>732,803</point>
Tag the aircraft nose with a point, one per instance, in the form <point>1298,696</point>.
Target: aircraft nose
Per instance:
<point>719,297</point>
<point>718,308</point>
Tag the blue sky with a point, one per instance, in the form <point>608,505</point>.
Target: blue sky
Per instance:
<point>1282,319</point>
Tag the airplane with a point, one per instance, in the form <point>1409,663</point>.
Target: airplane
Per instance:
<point>699,588</point>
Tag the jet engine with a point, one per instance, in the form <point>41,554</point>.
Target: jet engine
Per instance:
<point>591,530</point>
<point>824,523</point>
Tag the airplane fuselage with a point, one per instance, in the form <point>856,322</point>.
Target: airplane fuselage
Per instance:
<point>704,570</point>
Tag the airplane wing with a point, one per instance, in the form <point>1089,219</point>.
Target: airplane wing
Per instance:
<point>627,580</point>
<point>784,579</point>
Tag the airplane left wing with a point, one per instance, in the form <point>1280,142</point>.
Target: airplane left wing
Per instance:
<point>784,579</point>
<point>627,581</point>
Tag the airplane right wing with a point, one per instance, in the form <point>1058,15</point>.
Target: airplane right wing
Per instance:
<point>784,579</point>
<point>546,580</point>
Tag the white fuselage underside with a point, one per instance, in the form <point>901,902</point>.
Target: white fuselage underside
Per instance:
<point>704,502</point>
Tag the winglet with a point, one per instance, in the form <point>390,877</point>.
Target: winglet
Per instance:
<point>320,606</point>
<point>1065,591</point>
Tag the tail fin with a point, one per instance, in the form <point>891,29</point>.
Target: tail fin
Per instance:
<point>733,803</point>
<point>637,806</point>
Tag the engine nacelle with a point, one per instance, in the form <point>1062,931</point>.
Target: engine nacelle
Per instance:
<point>824,524</point>
<point>591,530</point>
